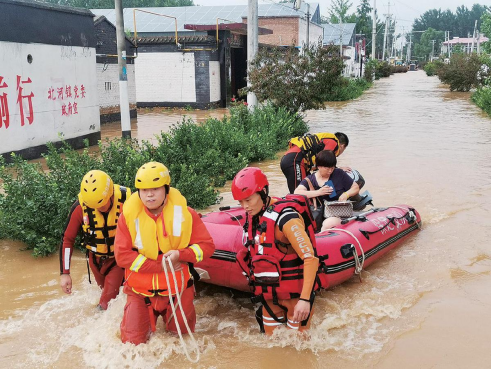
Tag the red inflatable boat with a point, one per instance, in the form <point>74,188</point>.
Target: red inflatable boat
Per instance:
<point>368,235</point>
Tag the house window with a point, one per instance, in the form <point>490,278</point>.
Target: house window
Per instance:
<point>107,86</point>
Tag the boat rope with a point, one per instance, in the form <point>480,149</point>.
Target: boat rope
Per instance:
<point>359,264</point>
<point>233,217</point>
<point>180,305</point>
<point>182,290</point>
<point>411,213</point>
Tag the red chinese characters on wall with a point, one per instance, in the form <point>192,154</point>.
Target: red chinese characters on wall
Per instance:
<point>4,106</point>
<point>66,93</point>
<point>24,102</point>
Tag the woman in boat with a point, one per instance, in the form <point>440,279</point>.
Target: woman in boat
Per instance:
<point>328,183</point>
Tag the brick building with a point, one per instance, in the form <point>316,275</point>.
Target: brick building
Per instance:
<point>198,70</point>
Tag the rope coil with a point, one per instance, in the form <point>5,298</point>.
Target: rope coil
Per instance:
<point>180,305</point>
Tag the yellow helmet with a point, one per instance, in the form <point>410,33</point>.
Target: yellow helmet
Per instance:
<point>152,175</point>
<point>96,189</point>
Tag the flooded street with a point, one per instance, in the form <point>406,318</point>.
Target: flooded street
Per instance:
<point>424,305</point>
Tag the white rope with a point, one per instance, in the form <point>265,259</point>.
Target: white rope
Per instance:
<point>173,308</point>
<point>419,225</point>
<point>358,264</point>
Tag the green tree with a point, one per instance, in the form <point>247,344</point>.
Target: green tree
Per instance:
<point>485,29</point>
<point>364,21</point>
<point>296,81</point>
<point>338,12</point>
<point>423,48</point>
<point>464,72</point>
<point>460,23</point>
<point>109,4</point>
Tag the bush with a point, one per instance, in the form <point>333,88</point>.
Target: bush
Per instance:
<point>349,90</point>
<point>398,69</point>
<point>432,68</point>
<point>377,68</point>
<point>34,203</point>
<point>293,80</point>
<point>481,97</point>
<point>464,72</point>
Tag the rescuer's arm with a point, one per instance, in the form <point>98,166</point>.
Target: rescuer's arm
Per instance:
<point>129,258</point>
<point>72,227</point>
<point>294,231</point>
<point>201,244</point>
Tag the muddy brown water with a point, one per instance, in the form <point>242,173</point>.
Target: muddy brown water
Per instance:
<point>425,305</point>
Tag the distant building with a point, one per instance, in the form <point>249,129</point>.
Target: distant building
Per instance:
<point>48,83</point>
<point>344,34</point>
<point>197,68</point>
<point>466,44</point>
<point>108,71</point>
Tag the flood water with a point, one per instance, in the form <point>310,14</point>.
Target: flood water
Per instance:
<point>424,305</point>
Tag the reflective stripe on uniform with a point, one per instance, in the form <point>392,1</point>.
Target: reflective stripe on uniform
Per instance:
<point>177,220</point>
<point>137,263</point>
<point>198,252</point>
<point>266,274</point>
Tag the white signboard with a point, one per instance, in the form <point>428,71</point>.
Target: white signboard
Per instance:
<point>46,91</point>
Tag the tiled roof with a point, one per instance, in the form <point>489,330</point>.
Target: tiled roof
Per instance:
<point>151,23</point>
<point>332,33</point>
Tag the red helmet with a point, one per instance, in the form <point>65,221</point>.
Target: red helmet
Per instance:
<point>247,182</point>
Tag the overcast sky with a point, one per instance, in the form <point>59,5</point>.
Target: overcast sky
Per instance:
<point>405,11</point>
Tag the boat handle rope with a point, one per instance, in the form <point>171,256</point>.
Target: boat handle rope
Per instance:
<point>359,265</point>
<point>180,305</point>
<point>411,213</point>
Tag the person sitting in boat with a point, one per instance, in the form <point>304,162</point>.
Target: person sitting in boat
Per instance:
<point>158,239</point>
<point>279,245</point>
<point>328,183</point>
<point>95,213</point>
<point>299,159</point>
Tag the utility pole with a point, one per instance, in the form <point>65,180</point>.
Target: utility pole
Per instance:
<point>432,53</point>
<point>409,49</point>
<point>126,129</point>
<point>473,38</point>
<point>341,36</point>
<point>402,40</point>
<point>449,45</point>
<point>308,17</point>
<point>373,53</point>
<point>252,45</point>
<point>388,17</point>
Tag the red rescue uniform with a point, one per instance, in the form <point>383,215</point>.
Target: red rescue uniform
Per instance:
<point>138,323</point>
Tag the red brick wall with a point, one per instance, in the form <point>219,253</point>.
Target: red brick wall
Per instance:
<point>285,30</point>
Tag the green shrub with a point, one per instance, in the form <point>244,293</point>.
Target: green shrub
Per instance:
<point>481,97</point>
<point>349,90</point>
<point>464,72</point>
<point>398,69</point>
<point>35,203</point>
<point>432,68</point>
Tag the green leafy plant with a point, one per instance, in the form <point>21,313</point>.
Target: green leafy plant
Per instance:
<point>465,72</point>
<point>35,202</point>
<point>293,80</point>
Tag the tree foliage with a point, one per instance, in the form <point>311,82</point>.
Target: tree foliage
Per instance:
<point>485,29</point>
<point>293,80</point>
<point>460,23</point>
<point>424,46</point>
<point>338,12</point>
<point>109,4</point>
<point>465,72</point>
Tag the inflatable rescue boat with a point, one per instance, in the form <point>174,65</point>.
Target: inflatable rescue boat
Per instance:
<point>347,249</point>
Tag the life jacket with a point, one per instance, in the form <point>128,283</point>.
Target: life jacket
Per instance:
<point>171,231</point>
<point>273,273</point>
<point>99,228</point>
<point>311,144</point>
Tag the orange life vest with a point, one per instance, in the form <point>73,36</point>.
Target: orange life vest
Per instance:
<point>171,231</point>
